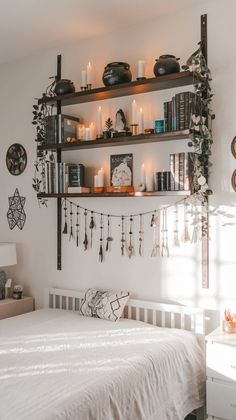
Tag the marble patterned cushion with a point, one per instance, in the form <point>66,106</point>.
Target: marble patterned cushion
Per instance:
<point>104,304</point>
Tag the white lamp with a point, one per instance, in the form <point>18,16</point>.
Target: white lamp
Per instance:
<point>7,258</point>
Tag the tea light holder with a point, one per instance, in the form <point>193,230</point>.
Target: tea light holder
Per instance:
<point>89,86</point>
<point>134,129</point>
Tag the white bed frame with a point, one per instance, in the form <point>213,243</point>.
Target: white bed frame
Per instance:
<point>156,313</point>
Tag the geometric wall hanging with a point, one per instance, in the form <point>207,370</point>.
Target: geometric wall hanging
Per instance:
<point>16,159</point>
<point>16,215</point>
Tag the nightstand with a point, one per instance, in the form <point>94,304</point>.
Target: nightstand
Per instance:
<point>221,375</point>
<point>13,307</point>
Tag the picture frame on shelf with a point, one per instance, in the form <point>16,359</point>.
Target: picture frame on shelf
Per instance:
<point>121,170</point>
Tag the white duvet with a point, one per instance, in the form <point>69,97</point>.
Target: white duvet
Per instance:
<point>58,365</point>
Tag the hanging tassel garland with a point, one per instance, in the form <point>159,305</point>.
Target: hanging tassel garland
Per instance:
<point>122,236</point>
<point>176,228</point>
<point>71,223</point>
<point>85,243</point>
<point>77,225</point>
<point>131,247</point>
<point>65,230</point>
<point>101,240</point>
<point>140,248</point>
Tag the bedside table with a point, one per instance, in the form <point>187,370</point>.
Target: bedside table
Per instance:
<point>221,375</point>
<point>12,307</point>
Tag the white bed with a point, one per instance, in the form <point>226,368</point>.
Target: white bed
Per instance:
<point>56,364</point>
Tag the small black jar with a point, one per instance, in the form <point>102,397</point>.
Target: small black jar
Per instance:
<point>64,86</point>
<point>166,64</point>
<point>115,73</point>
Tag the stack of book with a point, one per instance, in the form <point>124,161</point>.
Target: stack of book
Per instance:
<point>64,178</point>
<point>181,169</point>
<point>177,112</point>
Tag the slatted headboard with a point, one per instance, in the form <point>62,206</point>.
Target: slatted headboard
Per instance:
<point>156,313</point>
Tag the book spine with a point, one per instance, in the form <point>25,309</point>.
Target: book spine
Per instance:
<point>181,171</point>
<point>173,114</point>
<point>188,171</point>
<point>172,171</point>
<point>181,111</point>
<point>186,110</point>
<point>170,116</point>
<point>166,116</point>
<point>176,171</point>
<point>177,112</point>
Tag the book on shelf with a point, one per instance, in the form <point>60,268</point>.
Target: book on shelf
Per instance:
<point>59,176</point>
<point>61,129</point>
<point>78,190</point>
<point>177,112</point>
<point>75,175</point>
<point>181,170</point>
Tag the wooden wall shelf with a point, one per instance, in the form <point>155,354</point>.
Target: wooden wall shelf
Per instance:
<point>132,195</point>
<point>169,81</point>
<point>119,141</point>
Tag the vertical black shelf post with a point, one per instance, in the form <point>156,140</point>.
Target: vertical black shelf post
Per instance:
<point>59,215</point>
<point>205,220</point>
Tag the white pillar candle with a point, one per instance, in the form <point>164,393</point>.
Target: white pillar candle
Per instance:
<point>99,121</point>
<point>80,131</point>
<point>95,181</point>
<point>149,181</point>
<point>134,109</point>
<point>87,133</point>
<point>84,78</point>
<point>142,178</point>
<point>101,178</point>
<point>92,131</point>
<point>141,68</point>
<point>89,74</point>
<point>140,121</point>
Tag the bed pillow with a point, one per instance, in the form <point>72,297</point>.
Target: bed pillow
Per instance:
<point>104,304</point>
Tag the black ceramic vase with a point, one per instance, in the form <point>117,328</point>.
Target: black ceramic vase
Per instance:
<point>64,86</point>
<point>115,73</point>
<point>166,64</point>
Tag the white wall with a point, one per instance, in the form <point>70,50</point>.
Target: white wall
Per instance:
<point>179,277</point>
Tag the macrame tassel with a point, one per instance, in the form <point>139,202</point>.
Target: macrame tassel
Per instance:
<point>122,236</point>
<point>101,255</point>
<point>131,247</point>
<point>85,243</point>
<point>176,228</point>
<point>156,237</point>
<point>196,228</point>
<point>77,225</point>
<point>65,229</point>
<point>91,227</point>
<point>164,246</point>
<point>140,248</point>
<point>109,237</point>
<point>185,237</point>
<point>71,223</point>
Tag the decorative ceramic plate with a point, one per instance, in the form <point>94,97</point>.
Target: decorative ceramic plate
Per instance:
<point>16,159</point>
<point>233,147</point>
<point>233,180</point>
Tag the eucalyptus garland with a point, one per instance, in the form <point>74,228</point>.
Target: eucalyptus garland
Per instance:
<point>200,122</point>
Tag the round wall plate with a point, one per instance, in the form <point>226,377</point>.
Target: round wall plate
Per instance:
<point>233,147</point>
<point>16,159</point>
<point>233,180</point>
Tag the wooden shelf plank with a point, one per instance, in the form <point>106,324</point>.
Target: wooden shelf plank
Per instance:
<point>169,81</point>
<point>132,195</point>
<point>118,141</point>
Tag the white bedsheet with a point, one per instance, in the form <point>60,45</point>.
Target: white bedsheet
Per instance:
<point>57,365</point>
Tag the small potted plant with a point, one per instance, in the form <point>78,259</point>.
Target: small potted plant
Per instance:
<point>107,134</point>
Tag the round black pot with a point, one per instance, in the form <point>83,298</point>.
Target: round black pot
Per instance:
<point>64,86</point>
<point>115,73</point>
<point>166,64</point>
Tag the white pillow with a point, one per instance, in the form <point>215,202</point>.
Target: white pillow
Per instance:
<point>104,304</point>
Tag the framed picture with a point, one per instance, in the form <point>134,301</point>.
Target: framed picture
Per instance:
<point>121,170</point>
<point>16,159</point>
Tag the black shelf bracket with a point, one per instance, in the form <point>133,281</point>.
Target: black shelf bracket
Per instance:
<point>59,210</point>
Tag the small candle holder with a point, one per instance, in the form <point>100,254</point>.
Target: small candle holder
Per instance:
<point>140,78</point>
<point>83,88</point>
<point>134,129</point>
<point>89,86</point>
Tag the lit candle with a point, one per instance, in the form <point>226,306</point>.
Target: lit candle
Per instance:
<point>84,78</point>
<point>89,74</point>
<point>95,181</point>
<point>99,121</point>
<point>140,121</point>
<point>141,68</point>
<point>87,133</point>
<point>149,181</point>
<point>134,108</point>
<point>92,131</point>
<point>101,178</point>
<point>80,131</point>
<point>143,174</point>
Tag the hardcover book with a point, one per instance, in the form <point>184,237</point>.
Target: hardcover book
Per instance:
<point>75,175</point>
<point>61,129</point>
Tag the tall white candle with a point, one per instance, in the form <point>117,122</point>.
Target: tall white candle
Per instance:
<point>141,68</point>
<point>101,178</point>
<point>87,133</point>
<point>99,121</point>
<point>92,131</point>
<point>149,181</point>
<point>84,78</point>
<point>95,181</point>
<point>134,109</point>
<point>89,74</point>
<point>140,121</point>
<point>142,174</point>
